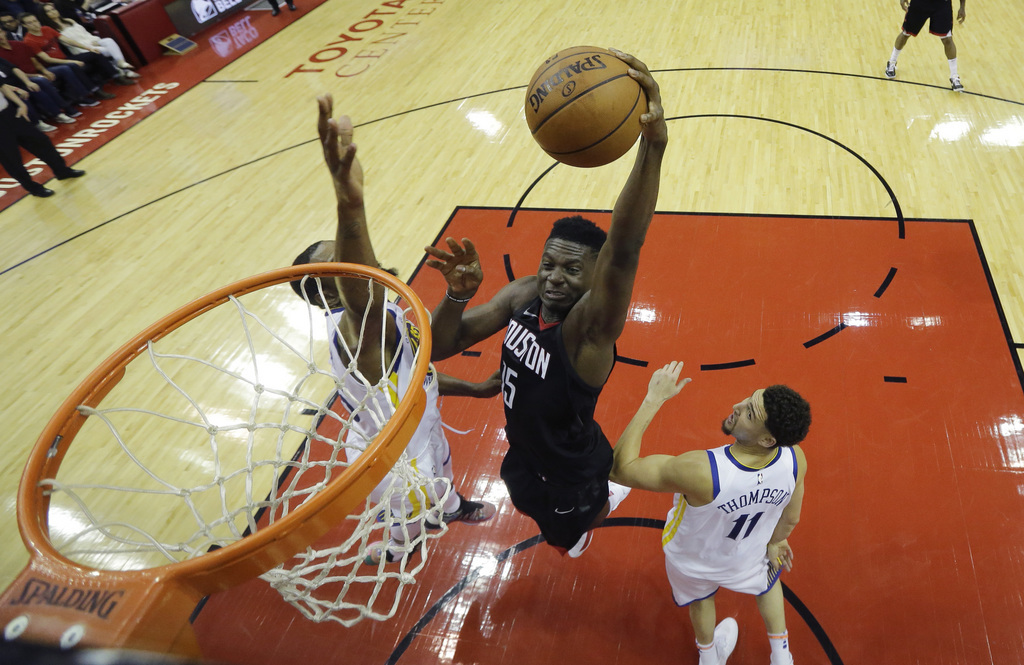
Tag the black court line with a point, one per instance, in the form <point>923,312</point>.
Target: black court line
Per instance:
<point>630,361</point>
<point>484,94</point>
<point>314,140</point>
<point>1015,357</point>
<point>1012,344</point>
<point>415,631</point>
<point>812,623</point>
<point>738,215</point>
<point>885,283</point>
<point>471,354</point>
<point>821,338</point>
<point>894,379</point>
<point>641,522</point>
<point>526,192</point>
<point>149,203</point>
<point>901,224</point>
<point>711,367</point>
<point>868,77</point>
<point>897,209</point>
<point>232,169</point>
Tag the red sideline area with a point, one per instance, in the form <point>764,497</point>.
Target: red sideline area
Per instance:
<point>161,82</point>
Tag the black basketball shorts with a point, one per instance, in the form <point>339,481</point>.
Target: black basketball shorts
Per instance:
<point>563,513</point>
<point>938,13</point>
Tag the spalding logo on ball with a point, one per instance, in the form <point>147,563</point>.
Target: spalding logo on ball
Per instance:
<point>582,107</point>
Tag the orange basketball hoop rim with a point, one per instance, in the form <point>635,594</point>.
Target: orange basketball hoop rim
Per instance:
<point>55,600</point>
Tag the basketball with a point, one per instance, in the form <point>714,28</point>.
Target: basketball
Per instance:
<point>582,107</point>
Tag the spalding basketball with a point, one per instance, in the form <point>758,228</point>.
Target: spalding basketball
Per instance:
<point>582,107</point>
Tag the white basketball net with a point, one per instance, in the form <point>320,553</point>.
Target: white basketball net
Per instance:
<point>191,452</point>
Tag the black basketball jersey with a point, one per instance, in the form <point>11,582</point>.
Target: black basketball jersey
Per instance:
<point>549,410</point>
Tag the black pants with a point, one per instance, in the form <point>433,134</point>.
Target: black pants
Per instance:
<point>72,82</point>
<point>98,67</point>
<point>15,132</point>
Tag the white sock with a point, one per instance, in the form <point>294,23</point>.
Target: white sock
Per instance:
<point>581,545</point>
<point>446,466</point>
<point>895,54</point>
<point>780,648</point>
<point>616,494</point>
<point>952,69</point>
<point>708,653</point>
<point>453,502</point>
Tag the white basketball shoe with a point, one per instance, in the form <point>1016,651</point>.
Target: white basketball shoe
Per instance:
<point>726,634</point>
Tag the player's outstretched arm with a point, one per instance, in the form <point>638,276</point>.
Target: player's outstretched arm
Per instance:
<point>453,327</point>
<point>602,313</point>
<point>658,473</point>
<point>352,238</point>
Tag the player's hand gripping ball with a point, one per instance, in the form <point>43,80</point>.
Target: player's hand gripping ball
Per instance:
<point>583,108</point>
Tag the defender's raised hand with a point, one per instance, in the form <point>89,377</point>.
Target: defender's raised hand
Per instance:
<point>460,267</point>
<point>340,153</point>
<point>665,382</point>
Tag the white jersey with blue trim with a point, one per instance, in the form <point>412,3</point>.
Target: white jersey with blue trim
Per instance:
<point>723,540</point>
<point>353,390</point>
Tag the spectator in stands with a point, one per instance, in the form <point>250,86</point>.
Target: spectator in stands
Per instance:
<point>11,25</point>
<point>75,10</point>
<point>43,99</point>
<point>45,44</point>
<point>7,80</point>
<point>76,39</point>
<point>74,85</point>
<point>17,132</point>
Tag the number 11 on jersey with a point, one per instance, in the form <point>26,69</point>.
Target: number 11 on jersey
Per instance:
<point>739,522</point>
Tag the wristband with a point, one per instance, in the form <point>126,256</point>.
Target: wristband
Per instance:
<point>461,301</point>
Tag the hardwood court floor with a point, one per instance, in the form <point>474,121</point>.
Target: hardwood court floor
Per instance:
<point>792,168</point>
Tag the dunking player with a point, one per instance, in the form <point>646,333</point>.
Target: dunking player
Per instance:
<point>350,308</point>
<point>562,324</point>
<point>734,508</point>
